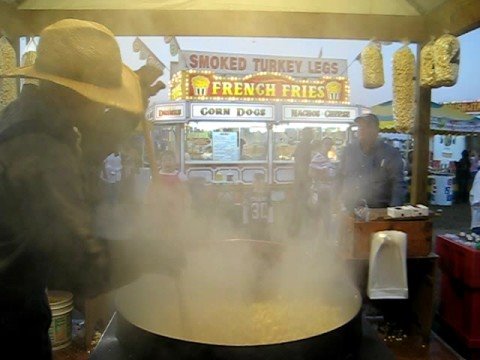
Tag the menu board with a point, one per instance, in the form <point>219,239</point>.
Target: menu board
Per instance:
<point>199,145</point>
<point>225,146</point>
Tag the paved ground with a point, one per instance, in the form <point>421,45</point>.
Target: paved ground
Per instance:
<point>453,218</point>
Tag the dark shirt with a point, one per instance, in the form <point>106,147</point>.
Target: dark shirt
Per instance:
<point>376,177</point>
<point>302,155</point>
<point>45,222</point>
<point>462,169</point>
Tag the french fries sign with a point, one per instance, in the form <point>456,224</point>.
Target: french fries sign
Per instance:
<point>192,85</point>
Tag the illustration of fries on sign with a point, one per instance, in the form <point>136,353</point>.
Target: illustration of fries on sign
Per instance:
<point>334,90</point>
<point>200,85</point>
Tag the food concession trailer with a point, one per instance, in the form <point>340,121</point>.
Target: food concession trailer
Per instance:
<point>230,138</point>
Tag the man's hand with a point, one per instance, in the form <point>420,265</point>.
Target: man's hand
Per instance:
<point>147,76</point>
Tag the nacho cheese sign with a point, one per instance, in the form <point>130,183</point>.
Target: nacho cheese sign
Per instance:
<point>191,85</point>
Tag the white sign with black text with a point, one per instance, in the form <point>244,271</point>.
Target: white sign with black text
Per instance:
<point>331,113</point>
<point>219,111</point>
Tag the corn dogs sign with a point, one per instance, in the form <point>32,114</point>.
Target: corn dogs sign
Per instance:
<point>191,85</point>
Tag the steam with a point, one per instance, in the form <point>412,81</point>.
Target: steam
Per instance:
<point>216,279</point>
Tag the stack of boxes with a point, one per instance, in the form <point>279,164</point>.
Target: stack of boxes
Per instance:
<point>460,292</point>
<point>407,211</point>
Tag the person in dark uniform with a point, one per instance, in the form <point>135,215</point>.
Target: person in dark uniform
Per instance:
<point>370,171</point>
<point>462,176</point>
<point>301,183</point>
<point>51,150</point>
<point>258,209</point>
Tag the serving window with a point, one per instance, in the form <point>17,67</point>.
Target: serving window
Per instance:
<point>287,136</point>
<point>226,142</point>
<point>165,138</point>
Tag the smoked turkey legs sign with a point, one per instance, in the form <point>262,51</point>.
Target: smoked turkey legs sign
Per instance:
<point>241,64</point>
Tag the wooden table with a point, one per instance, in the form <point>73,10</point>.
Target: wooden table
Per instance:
<point>421,279</point>
<point>421,262</point>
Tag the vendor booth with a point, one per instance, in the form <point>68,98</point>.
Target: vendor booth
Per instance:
<point>384,20</point>
<point>449,128</point>
<point>224,138</point>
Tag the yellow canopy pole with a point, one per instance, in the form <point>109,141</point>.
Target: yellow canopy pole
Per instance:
<point>150,150</point>
<point>421,136</point>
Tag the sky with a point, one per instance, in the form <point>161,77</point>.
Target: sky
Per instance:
<point>467,87</point>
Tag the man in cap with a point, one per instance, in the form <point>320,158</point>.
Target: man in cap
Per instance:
<point>52,142</point>
<point>370,170</point>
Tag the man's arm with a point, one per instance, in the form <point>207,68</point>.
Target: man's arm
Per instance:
<point>60,224</point>
<point>397,179</point>
<point>55,217</point>
<point>340,175</point>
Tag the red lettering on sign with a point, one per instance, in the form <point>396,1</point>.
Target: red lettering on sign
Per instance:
<point>193,61</point>
<point>203,62</point>
<point>326,68</point>
<point>242,63</point>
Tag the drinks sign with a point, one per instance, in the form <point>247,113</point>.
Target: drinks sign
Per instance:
<point>169,112</point>
<point>189,85</point>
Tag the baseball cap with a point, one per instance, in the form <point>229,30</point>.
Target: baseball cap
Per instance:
<point>368,117</point>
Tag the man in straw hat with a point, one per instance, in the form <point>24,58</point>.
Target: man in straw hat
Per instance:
<point>52,141</point>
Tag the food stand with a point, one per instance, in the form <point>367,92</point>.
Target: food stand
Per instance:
<point>232,138</point>
<point>449,128</point>
<point>406,19</point>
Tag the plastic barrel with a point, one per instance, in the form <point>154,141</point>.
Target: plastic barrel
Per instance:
<point>60,331</point>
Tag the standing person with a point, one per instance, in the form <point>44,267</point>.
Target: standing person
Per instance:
<point>473,164</point>
<point>462,175</point>
<point>370,171</point>
<point>258,209</point>
<point>112,175</point>
<point>171,190</point>
<point>301,182</point>
<point>170,198</point>
<point>131,163</point>
<point>50,155</point>
<point>475,205</point>
<point>322,172</point>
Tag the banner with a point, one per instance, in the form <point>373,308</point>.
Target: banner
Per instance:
<point>465,106</point>
<point>190,85</point>
<point>239,64</point>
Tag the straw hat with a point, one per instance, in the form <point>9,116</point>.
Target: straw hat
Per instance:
<point>84,56</point>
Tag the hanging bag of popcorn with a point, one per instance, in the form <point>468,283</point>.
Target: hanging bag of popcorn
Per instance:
<point>404,88</point>
<point>372,66</point>
<point>446,55</point>
<point>427,66</point>
<point>8,62</point>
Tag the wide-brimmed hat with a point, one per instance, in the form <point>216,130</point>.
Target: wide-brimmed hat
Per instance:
<point>84,56</point>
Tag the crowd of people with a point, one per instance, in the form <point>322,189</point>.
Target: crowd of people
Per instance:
<point>370,174</point>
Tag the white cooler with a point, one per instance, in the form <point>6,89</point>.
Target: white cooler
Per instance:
<point>442,189</point>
